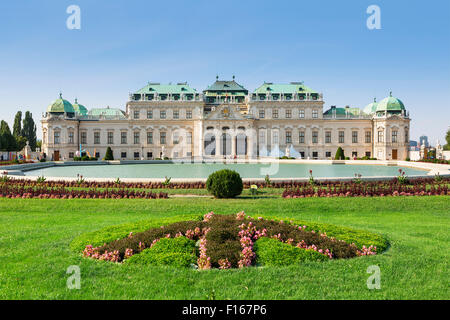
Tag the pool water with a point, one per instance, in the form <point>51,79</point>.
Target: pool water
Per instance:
<point>190,170</point>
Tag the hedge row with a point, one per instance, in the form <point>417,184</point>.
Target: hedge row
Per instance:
<point>366,190</point>
<point>202,185</point>
<point>12,191</point>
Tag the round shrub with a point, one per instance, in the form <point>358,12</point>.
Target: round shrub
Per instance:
<point>224,184</point>
<point>271,252</point>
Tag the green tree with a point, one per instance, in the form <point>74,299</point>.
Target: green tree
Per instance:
<point>339,154</point>
<point>109,154</point>
<point>447,138</point>
<point>21,142</point>
<point>7,141</point>
<point>29,130</point>
<point>17,128</point>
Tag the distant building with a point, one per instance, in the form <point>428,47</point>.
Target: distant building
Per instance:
<point>423,140</point>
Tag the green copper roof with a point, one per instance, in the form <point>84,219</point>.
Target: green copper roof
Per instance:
<point>390,104</point>
<point>343,111</point>
<point>80,109</point>
<point>107,112</point>
<point>179,88</point>
<point>60,105</point>
<point>293,87</point>
<point>371,107</point>
<point>220,86</point>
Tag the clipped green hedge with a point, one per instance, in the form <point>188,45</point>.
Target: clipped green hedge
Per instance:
<point>176,252</point>
<point>271,252</point>
<point>224,184</point>
<point>349,235</point>
<point>111,233</point>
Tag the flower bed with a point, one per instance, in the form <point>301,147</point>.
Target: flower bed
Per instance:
<point>201,185</point>
<point>368,190</point>
<point>9,190</point>
<point>231,241</point>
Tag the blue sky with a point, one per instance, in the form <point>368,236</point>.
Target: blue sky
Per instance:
<point>124,44</point>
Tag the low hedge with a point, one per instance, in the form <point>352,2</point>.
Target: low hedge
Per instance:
<point>117,232</point>
<point>271,252</point>
<point>176,252</point>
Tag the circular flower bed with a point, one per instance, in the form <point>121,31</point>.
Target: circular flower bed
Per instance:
<point>231,241</point>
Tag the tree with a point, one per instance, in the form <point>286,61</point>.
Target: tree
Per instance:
<point>17,128</point>
<point>109,154</point>
<point>447,138</point>
<point>339,154</point>
<point>29,130</point>
<point>21,142</point>
<point>7,141</point>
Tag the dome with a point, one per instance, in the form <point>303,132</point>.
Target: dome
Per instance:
<point>371,108</point>
<point>79,109</point>
<point>390,104</point>
<point>60,106</point>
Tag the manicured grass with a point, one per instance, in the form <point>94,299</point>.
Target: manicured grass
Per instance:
<point>35,236</point>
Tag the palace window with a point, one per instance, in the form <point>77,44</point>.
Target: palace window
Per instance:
<point>394,136</point>
<point>136,114</point>
<point>406,135</point>
<point>149,114</point>
<point>176,137</point>
<point>327,136</point>
<point>368,154</point>
<point>123,154</point>
<point>341,136</point>
<point>136,155</point>
<point>149,155</point>
<point>56,137</point>
<point>71,155</point>
<point>162,138</point>
<point>123,138</point>
<point>288,113</point>
<point>315,154</point>
<point>380,136</point>
<point>354,136</point>
<point>368,137</point>
<point>275,137</point>
<point>71,141</point>
<point>315,137</point>
<point>162,114</point>
<point>301,137</point>
<point>97,155</point>
<point>302,114</point>
<point>288,137</point>
<point>176,114</point>
<point>136,137</point>
<point>262,137</point>
<point>275,113</point>
<point>97,137</point>
<point>189,138</point>
<point>189,114</point>
<point>83,137</point>
<point>149,137</point>
<point>328,154</point>
<point>315,114</point>
<point>261,114</point>
<point>110,137</point>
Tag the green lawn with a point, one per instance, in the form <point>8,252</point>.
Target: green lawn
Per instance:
<point>35,237</point>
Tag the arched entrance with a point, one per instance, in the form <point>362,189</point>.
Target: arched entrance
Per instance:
<point>210,144</point>
<point>225,142</point>
<point>241,144</point>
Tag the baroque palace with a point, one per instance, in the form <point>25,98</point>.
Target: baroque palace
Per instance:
<point>226,121</point>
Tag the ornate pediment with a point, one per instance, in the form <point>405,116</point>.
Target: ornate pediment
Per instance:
<point>225,112</point>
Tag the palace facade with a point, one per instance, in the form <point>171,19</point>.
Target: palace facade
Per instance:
<point>226,120</point>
